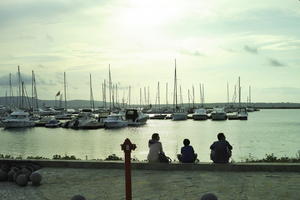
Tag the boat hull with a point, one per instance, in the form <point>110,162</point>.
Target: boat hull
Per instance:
<point>218,116</point>
<point>17,124</point>
<point>199,117</point>
<point>111,125</point>
<point>179,116</point>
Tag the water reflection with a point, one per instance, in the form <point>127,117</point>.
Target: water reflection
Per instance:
<point>267,131</point>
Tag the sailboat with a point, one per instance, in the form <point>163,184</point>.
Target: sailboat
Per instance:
<point>159,115</point>
<point>64,115</point>
<point>242,112</point>
<point>178,114</point>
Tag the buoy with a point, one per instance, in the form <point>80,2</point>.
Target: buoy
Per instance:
<point>209,196</point>
<point>22,180</point>
<point>3,175</point>
<point>36,178</point>
<point>78,197</point>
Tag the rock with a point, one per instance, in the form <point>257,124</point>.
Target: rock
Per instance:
<point>36,178</point>
<point>5,167</point>
<point>17,173</point>
<point>78,197</point>
<point>209,196</point>
<point>26,171</point>
<point>3,175</point>
<point>22,180</point>
<point>10,175</point>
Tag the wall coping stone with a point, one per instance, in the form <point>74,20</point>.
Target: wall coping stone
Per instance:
<point>204,166</point>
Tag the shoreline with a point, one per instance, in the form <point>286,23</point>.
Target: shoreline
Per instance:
<point>202,166</point>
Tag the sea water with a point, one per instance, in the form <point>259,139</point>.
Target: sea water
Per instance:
<point>267,131</point>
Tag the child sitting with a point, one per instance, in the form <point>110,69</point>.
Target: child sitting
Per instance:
<point>187,153</point>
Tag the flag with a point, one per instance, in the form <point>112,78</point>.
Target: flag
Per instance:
<point>58,93</point>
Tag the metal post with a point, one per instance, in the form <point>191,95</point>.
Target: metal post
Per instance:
<point>127,147</point>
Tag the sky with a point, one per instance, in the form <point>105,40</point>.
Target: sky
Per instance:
<point>214,42</point>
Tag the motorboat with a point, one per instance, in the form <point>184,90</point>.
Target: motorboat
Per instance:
<point>232,116</point>
<point>18,119</point>
<point>63,116</point>
<point>86,120</point>
<point>159,116</point>
<point>115,121</point>
<point>242,114</point>
<point>218,114</point>
<point>53,123</point>
<point>200,114</point>
<point>135,117</point>
<point>179,116</point>
<point>43,121</point>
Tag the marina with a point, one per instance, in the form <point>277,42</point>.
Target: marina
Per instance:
<point>265,132</point>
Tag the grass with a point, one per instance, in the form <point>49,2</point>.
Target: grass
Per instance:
<point>271,158</point>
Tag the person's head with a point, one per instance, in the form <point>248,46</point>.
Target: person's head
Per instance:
<point>186,142</point>
<point>209,196</point>
<point>155,136</point>
<point>221,136</point>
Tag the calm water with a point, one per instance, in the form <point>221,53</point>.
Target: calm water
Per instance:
<point>266,131</point>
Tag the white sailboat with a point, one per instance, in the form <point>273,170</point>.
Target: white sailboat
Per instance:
<point>178,114</point>
<point>242,112</point>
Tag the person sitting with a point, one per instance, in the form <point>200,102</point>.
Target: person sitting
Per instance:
<point>155,148</point>
<point>220,150</point>
<point>187,153</point>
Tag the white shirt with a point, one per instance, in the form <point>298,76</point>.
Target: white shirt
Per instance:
<point>154,150</point>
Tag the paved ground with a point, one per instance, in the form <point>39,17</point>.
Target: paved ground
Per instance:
<point>102,184</point>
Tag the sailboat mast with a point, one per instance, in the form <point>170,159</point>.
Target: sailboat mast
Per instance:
<point>181,99</point>
<point>249,94</point>
<point>129,95</point>
<point>140,98</point>
<point>193,97</point>
<point>65,91</point>
<point>32,93</point>
<point>91,94</point>
<point>189,98</point>
<point>19,82</point>
<point>175,90</point>
<point>109,83</point>
<point>227,93</point>
<point>239,92</point>
<point>10,89</point>
<point>167,95</point>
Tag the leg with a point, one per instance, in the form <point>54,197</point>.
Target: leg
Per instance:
<point>179,156</point>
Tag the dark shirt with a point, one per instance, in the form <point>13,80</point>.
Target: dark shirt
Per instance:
<point>188,154</point>
<point>222,151</point>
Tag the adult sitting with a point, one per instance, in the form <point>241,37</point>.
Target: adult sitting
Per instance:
<point>155,149</point>
<point>220,150</point>
<point>187,153</point>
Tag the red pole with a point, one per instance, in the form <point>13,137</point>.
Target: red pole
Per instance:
<point>127,146</point>
<point>128,175</point>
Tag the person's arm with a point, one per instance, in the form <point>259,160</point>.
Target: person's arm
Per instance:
<point>192,149</point>
<point>229,146</point>
<point>212,147</point>
<point>161,148</point>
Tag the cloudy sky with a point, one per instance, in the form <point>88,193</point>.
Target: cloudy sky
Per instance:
<point>213,42</point>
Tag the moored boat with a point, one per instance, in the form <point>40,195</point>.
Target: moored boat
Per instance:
<point>218,114</point>
<point>135,117</point>
<point>18,119</point>
<point>200,114</point>
<point>115,121</point>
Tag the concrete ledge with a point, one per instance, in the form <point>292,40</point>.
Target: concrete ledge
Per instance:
<point>236,167</point>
